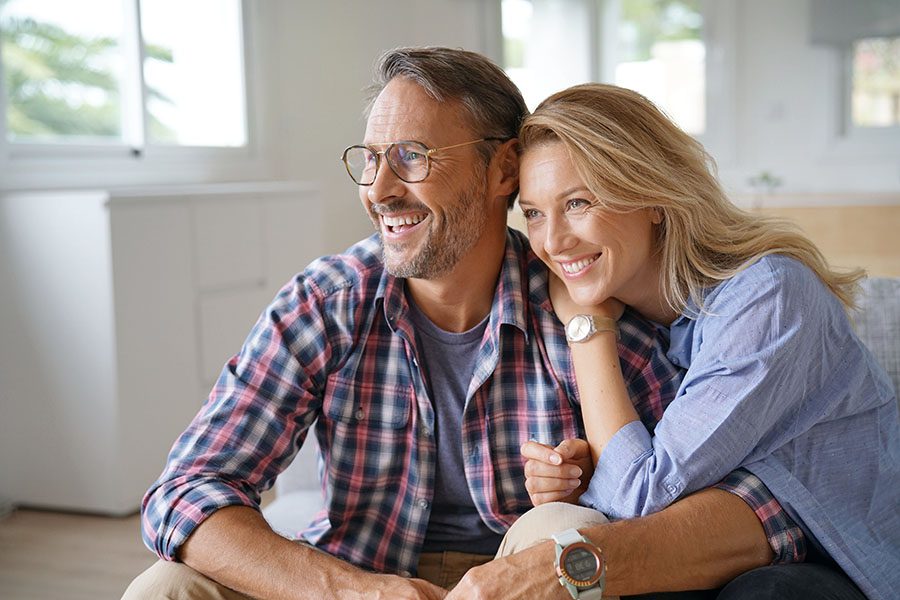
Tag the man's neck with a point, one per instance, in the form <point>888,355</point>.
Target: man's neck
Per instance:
<point>460,299</point>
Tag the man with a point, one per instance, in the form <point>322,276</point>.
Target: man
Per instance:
<point>426,356</point>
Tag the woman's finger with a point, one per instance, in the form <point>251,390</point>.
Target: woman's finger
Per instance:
<point>536,468</point>
<point>537,451</point>
<point>539,485</point>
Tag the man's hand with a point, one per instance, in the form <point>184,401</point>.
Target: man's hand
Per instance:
<point>559,474</point>
<point>526,574</point>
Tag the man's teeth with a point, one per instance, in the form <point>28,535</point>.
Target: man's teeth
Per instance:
<point>577,266</point>
<point>402,220</point>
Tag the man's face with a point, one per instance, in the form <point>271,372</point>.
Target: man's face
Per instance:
<point>425,227</point>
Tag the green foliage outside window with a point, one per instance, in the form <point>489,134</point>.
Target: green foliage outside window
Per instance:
<point>651,21</point>
<point>59,84</point>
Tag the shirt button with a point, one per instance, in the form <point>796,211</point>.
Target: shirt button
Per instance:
<point>360,414</point>
<point>406,574</point>
<point>415,363</point>
<point>423,503</point>
<point>672,488</point>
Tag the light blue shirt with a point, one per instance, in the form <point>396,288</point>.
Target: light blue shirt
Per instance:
<point>776,382</point>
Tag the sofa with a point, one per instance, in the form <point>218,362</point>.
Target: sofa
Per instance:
<point>877,321</point>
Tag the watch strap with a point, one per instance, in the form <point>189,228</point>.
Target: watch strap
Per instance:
<point>597,324</point>
<point>567,538</point>
<point>606,324</point>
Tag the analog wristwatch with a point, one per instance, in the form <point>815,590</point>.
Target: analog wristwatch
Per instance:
<point>581,328</point>
<point>579,565</point>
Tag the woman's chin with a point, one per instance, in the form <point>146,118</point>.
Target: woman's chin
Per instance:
<point>587,298</point>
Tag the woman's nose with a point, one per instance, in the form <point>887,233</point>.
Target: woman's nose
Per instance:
<point>558,236</point>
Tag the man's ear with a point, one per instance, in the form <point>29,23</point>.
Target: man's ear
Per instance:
<point>505,168</point>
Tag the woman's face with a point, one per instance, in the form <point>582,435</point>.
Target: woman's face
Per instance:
<point>597,253</point>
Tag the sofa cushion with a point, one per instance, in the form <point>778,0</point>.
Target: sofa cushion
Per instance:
<point>877,322</point>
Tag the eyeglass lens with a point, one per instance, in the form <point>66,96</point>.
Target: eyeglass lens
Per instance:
<point>408,160</point>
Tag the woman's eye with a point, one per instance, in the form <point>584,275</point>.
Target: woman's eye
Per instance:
<point>530,213</point>
<point>576,203</point>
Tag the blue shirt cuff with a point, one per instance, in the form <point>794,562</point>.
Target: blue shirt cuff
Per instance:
<point>630,445</point>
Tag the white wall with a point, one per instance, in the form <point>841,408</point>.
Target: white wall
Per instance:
<point>786,109</point>
<point>322,54</point>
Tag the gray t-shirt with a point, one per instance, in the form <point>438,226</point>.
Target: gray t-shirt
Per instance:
<point>447,362</point>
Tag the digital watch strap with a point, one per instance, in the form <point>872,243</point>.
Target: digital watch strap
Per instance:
<point>579,565</point>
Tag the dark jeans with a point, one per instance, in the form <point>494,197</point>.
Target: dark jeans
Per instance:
<point>803,581</point>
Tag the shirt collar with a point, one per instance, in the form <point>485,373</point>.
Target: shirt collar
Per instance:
<point>508,306</point>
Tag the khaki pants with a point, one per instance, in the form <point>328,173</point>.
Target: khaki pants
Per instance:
<point>176,581</point>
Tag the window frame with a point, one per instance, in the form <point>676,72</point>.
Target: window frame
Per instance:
<point>849,128</point>
<point>132,159</point>
<point>719,33</point>
<point>848,143</point>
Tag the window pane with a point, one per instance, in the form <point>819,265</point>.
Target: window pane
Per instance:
<point>876,82</point>
<point>547,45</point>
<point>193,72</point>
<point>62,71</point>
<point>661,55</point>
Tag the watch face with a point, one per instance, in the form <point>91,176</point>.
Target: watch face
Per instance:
<point>579,328</point>
<point>582,566</point>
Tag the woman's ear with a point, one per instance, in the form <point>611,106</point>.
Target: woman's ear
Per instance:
<point>656,216</point>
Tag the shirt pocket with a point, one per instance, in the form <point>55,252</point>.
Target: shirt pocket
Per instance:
<point>548,418</point>
<point>367,404</point>
<point>370,445</point>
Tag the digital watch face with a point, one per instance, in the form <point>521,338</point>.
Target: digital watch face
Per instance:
<point>581,565</point>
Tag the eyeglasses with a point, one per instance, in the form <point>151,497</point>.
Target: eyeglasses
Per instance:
<point>410,161</point>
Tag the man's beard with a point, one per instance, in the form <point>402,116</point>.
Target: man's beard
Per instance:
<point>441,251</point>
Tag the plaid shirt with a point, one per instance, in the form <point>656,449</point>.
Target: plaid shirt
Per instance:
<point>337,348</point>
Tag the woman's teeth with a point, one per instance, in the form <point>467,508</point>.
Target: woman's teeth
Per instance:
<point>575,267</point>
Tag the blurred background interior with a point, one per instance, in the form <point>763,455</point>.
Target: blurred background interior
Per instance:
<point>166,166</point>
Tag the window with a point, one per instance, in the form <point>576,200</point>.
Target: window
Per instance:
<point>875,82</point>
<point>661,54</point>
<point>123,72</point>
<point>655,47</point>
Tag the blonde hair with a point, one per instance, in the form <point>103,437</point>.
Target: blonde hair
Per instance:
<point>631,156</point>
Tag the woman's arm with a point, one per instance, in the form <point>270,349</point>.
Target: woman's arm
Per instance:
<point>605,404</point>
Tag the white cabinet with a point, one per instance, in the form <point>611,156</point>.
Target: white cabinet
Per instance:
<point>117,311</point>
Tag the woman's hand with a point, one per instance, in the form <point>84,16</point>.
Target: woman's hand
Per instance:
<point>566,308</point>
<point>560,474</point>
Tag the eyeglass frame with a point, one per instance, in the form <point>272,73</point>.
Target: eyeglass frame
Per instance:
<point>428,153</point>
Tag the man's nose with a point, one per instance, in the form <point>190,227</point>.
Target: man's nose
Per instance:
<point>386,185</point>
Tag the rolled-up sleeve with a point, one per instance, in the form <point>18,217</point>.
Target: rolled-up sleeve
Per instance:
<point>250,427</point>
<point>785,536</point>
<point>751,364</point>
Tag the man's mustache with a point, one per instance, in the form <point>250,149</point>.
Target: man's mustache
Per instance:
<point>397,207</point>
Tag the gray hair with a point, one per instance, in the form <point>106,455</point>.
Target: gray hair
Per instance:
<point>492,102</point>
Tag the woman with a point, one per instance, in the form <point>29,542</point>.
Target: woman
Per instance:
<point>623,208</point>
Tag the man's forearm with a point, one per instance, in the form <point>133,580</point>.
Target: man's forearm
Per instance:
<point>237,548</point>
<point>700,542</point>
